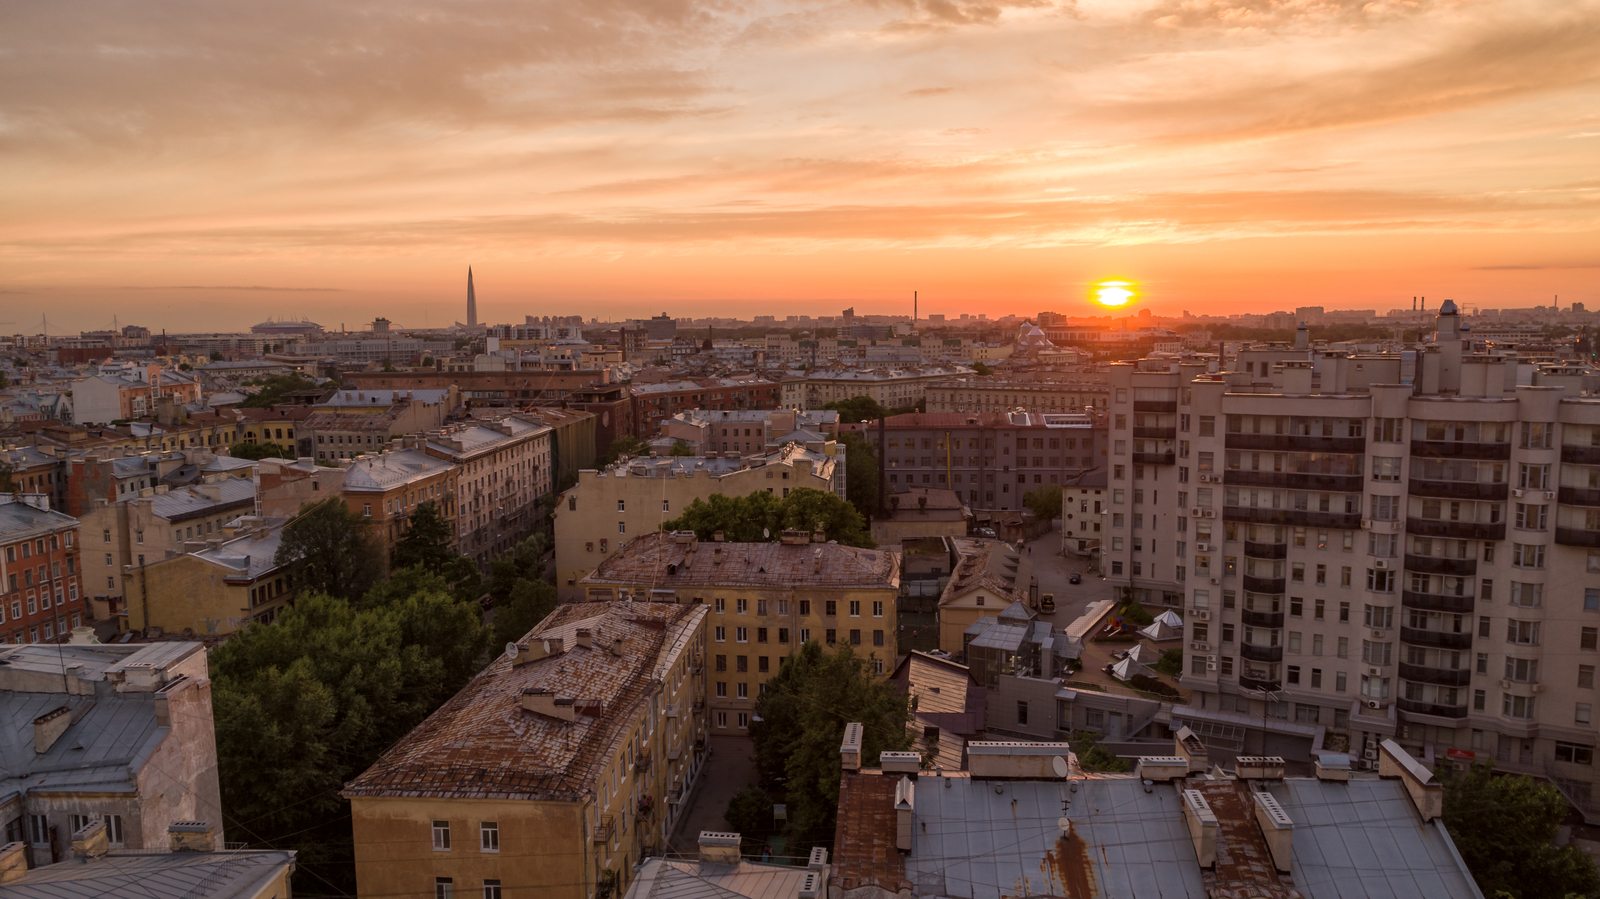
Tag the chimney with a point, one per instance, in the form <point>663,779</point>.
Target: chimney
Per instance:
<point>717,536</point>
<point>1203,826</point>
<point>1276,828</point>
<point>905,796</point>
<point>1333,767</point>
<point>1186,744</point>
<point>13,862</point>
<point>900,762</point>
<point>585,638</point>
<point>616,647</point>
<point>719,847</point>
<point>850,749</point>
<point>1258,767</point>
<point>49,727</point>
<point>537,649</point>
<point>549,704</point>
<point>819,536</point>
<point>190,836</point>
<point>91,841</point>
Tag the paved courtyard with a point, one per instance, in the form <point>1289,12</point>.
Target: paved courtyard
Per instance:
<point>729,770</point>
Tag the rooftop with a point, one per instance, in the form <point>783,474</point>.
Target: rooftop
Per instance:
<point>379,472</point>
<point>19,520</point>
<point>670,561</point>
<point>201,499</point>
<point>995,567</point>
<point>661,878</point>
<point>156,875</point>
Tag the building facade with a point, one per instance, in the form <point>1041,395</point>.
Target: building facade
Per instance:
<point>893,388</point>
<point>40,572</point>
<point>503,473</point>
<point>1072,394</point>
<point>388,487</point>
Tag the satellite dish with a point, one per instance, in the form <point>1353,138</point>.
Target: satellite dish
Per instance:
<point>766,533</point>
<point>511,650</point>
<point>1060,766</point>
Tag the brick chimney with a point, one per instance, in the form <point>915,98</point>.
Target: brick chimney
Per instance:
<point>191,836</point>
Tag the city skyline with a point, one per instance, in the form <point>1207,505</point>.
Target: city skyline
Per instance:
<point>995,156</point>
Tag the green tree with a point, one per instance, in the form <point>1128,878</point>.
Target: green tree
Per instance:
<point>274,388</point>
<point>329,549</point>
<point>627,445</point>
<point>742,519</point>
<point>259,451</point>
<point>7,481</point>
<point>857,409</point>
<point>1094,757</point>
<point>981,370</point>
<point>681,448</point>
<point>428,539</point>
<point>1503,826</point>
<point>861,473</point>
<point>750,815</point>
<point>1045,501</point>
<point>802,717</point>
<point>528,603</point>
<point>216,357</point>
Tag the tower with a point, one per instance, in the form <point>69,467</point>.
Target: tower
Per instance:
<point>472,302</point>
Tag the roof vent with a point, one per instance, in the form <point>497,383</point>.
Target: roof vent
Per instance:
<point>850,748</point>
<point>49,727</point>
<point>547,703</point>
<point>719,847</point>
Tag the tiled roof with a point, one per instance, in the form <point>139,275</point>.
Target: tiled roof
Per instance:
<point>660,560</point>
<point>483,744</point>
<point>864,837</point>
<point>993,567</point>
<point>350,421</point>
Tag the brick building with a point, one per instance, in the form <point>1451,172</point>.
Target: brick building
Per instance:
<point>39,572</point>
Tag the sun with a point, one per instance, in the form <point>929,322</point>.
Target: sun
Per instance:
<point>1113,293</point>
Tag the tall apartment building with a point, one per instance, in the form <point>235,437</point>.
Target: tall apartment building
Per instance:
<point>1417,561</point>
<point>555,770</point>
<point>766,600</point>
<point>504,470</point>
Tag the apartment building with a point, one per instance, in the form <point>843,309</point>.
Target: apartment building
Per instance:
<point>108,476</point>
<point>275,426</point>
<point>557,768</point>
<point>41,581</point>
<point>1073,394</point>
<point>223,584</point>
<point>503,472</point>
<point>37,470</point>
<point>1417,561</point>
<point>595,518</point>
<point>765,600</point>
<point>655,403</point>
<point>893,388</point>
<point>388,487</point>
<point>709,432</point>
<point>131,393</point>
<point>990,459</point>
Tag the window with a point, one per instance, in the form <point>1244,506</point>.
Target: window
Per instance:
<point>1527,555</point>
<point>719,605</point>
<point>877,608</point>
<point>489,836</point>
<point>830,607</point>
<point>443,888</point>
<point>441,836</point>
<point>491,889</point>
<point>720,634</point>
<point>1522,633</point>
<point>855,608</point>
<point>622,527</point>
<point>805,607</point>
<point>742,605</point>
<point>855,638</point>
<point>741,634</point>
<point>877,638</point>
<point>1516,706</point>
<point>1588,637</point>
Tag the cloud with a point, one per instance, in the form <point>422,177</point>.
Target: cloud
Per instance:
<point>1277,15</point>
<point>231,287</point>
<point>1535,268</point>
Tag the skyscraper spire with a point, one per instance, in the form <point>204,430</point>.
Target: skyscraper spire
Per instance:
<point>472,301</point>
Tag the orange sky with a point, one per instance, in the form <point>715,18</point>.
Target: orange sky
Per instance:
<point>743,157</point>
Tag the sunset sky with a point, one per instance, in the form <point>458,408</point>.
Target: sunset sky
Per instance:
<point>200,164</point>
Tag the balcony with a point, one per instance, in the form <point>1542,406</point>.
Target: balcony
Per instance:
<point>642,762</point>
<point>1579,496</point>
<point>1440,565</point>
<point>604,827</point>
<point>1431,708</point>
<point>1264,584</point>
<point>1457,489</point>
<point>1252,683</point>
<point>1293,479</point>
<point>1155,433</point>
<point>1462,530</point>
<point>1577,537</point>
<point>1436,602</point>
<point>1296,517</point>
<point>1440,639</point>
<point>1261,653</point>
<point>1154,458</point>
<point>1296,443</point>
<point>1450,449</point>
<point>1266,550</point>
<point>1169,407</point>
<point>1444,677</point>
<point>1581,455</point>
<point>1261,619</point>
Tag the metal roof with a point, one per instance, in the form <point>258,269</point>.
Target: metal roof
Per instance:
<point>658,559</point>
<point>19,520</point>
<point>396,468</point>
<point>163,875</point>
<point>676,879</point>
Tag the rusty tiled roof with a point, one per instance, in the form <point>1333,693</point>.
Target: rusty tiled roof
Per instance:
<point>994,567</point>
<point>660,560</point>
<point>482,744</point>
<point>864,852</point>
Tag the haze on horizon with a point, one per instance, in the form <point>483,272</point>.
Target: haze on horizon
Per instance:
<point>202,165</point>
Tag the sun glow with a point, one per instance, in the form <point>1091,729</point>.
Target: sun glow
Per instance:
<point>1113,293</point>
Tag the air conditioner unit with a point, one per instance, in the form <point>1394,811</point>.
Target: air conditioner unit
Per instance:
<point>1517,491</point>
<point>1211,664</point>
<point>1195,512</point>
<point>1216,580</point>
<point>1370,754</point>
<point>1202,547</point>
<point>1201,614</point>
<point>1366,524</point>
<point>1372,671</point>
<point>1381,564</point>
<point>1364,765</point>
<point>1549,494</point>
<point>1200,646</point>
<point>1209,513</point>
<point>1505,683</point>
<point>1374,704</point>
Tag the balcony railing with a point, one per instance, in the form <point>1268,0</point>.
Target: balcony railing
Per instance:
<point>1261,653</point>
<point>1440,639</point>
<point>1461,530</point>
<point>1266,550</point>
<point>1155,433</point>
<point>604,827</point>
<point>1581,455</point>
<point>1579,496</point>
<point>1296,443</point>
<point>1436,602</point>
<point>1440,565</point>
<point>1450,449</point>
<point>1577,537</point>
<point>1261,619</point>
<point>1444,677</point>
<point>1154,458</point>
<point>1457,489</point>
<point>1296,517</point>
<point>642,762</point>
<point>1255,683</point>
<point>1264,584</point>
<point>1344,483</point>
<point>1166,406</point>
<point>1431,708</point>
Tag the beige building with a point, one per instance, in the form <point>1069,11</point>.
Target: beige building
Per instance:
<point>1417,561</point>
<point>920,512</point>
<point>985,582</point>
<point>227,582</point>
<point>553,772</point>
<point>765,601</point>
<point>1072,394</point>
<point>608,508</point>
<point>893,388</point>
<point>504,471</point>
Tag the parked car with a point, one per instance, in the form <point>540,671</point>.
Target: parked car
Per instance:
<point>1075,579</point>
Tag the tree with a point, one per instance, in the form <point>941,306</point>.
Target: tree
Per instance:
<point>184,366</point>
<point>981,370</point>
<point>742,519</point>
<point>216,357</point>
<point>1503,826</point>
<point>681,448</point>
<point>801,720</point>
<point>273,389</point>
<point>529,603</point>
<point>329,549</point>
<point>1045,502</point>
<point>427,543</point>
<point>1094,757</point>
<point>259,451</point>
<point>861,473</point>
<point>626,445</point>
<point>749,814</point>
<point>857,409</point>
<point>7,481</point>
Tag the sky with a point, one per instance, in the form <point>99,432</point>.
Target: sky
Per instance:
<point>206,164</point>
